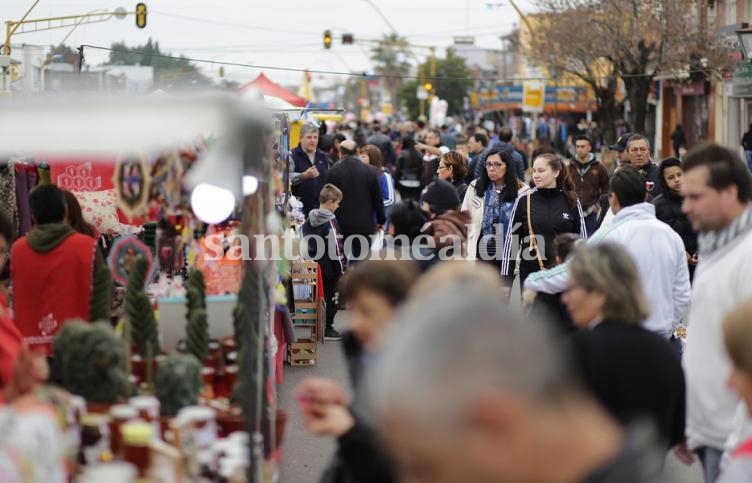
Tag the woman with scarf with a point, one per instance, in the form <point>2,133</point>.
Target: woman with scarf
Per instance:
<point>490,200</point>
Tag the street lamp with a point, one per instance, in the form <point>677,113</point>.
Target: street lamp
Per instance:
<point>745,40</point>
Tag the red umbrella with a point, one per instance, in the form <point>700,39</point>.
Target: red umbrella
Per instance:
<point>267,87</point>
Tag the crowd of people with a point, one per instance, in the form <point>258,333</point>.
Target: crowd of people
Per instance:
<point>629,343</point>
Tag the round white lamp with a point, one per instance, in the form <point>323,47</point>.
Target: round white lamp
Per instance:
<point>212,204</point>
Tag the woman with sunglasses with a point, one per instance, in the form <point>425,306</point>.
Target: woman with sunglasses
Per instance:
<point>490,200</point>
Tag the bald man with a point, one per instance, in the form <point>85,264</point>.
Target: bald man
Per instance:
<point>361,213</point>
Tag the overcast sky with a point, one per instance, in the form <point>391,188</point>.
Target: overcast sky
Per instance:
<point>277,33</point>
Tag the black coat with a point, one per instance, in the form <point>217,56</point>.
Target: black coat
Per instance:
<point>551,214</point>
<point>361,196</point>
<point>634,373</point>
<point>668,210</point>
<point>308,190</point>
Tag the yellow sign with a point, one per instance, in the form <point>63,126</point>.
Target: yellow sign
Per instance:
<point>386,108</point>
<point>533,96</point>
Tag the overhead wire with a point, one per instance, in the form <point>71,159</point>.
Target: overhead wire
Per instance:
<point>355,74</point>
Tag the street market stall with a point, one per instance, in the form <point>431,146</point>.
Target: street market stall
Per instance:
<point>158,177</point>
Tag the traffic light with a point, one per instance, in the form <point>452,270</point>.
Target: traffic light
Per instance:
<point>428,86</point>
<point>221,70</point>
<point>327,39</point>
<point>140,15</point>
<point>348,39</point>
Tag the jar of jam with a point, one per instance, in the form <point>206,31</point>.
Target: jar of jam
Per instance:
<point>137,437</point>
<point>148,410</point>
<point>95,438</point>
<point>119,415</point>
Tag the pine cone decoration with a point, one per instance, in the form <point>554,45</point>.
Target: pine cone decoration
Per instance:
<point>137,310</point>
<point>100,306</point>
<point>197,334</point>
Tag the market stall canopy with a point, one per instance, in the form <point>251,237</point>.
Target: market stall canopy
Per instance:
<point>270,88</point>
<point>107,125</point>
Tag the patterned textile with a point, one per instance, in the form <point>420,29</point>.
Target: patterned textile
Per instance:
<point>8,205</point>
<point>26,180</point>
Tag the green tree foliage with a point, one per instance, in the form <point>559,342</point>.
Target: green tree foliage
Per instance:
<point>391,58</point>
<point>451,83</point>
<point>167,71</point>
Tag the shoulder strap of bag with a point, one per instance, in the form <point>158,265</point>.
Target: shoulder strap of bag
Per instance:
<point>531,235</point>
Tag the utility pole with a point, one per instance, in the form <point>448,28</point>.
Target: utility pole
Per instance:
<point>52,23</point>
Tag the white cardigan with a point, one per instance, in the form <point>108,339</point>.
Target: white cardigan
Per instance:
<point>476,206</point>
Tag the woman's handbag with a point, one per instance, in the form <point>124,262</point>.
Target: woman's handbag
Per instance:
<point>531,236</point>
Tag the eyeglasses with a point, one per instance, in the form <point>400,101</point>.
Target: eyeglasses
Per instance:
<point>443,166</point>
<point>494,165</point>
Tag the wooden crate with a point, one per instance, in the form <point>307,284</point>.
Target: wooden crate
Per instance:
<point>304,352</point>
<point>307,313</point>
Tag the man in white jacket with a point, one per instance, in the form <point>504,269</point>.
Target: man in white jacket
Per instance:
<point>716,188</point>
<point>656,249</point>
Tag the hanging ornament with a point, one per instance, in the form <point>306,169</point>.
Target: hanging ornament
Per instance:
<point>124,251</point>
<point>166,179</point>
<point>132,185</point>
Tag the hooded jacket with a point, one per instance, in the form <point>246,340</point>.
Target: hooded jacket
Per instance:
<point>51,272</point>
<point>323,224</point>
<point>659,254</point>
<point>590,180</point>
<point>447,228</point>
<point>668,210</point>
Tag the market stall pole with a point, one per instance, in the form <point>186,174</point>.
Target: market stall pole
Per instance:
<point>121,126</point>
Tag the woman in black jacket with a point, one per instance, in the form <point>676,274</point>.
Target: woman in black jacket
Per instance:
<point>409,166</point>
<point>554,209</point>
<point>668,209</point>
<point>634,373</point>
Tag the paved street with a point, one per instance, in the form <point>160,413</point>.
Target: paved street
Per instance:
<point>304,456</point>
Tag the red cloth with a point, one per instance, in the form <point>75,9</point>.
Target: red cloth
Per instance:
<point>279,333</point>
<point>744,450</point>
<point>11,343</point>
<point>51,288</point>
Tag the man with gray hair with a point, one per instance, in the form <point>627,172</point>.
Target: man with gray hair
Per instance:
<point>308,167</point>
<point>492,399</point>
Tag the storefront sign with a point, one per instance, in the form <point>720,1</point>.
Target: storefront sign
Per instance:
<point>741,85</point>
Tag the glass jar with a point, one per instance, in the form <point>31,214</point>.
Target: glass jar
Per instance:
<point>95,439</point>
<point>137,436</point>
<point>119,415</point>
<point>148,410</point>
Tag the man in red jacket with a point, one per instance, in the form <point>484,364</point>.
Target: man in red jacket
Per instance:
<point>51,271</point>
